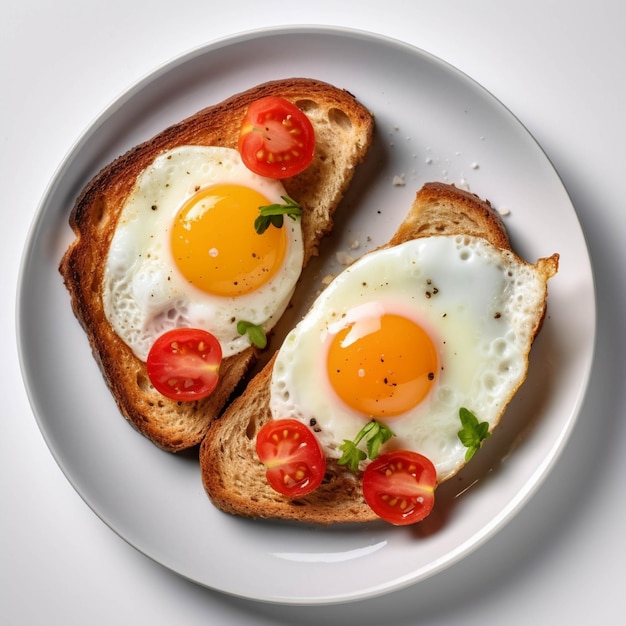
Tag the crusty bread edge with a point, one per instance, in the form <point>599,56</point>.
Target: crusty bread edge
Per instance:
<point>478,217</point>
<point>90,220</point>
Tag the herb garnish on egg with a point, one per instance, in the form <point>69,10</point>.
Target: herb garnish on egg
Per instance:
<point>473,433</point>
<point>273,214</point>
<point>255,333</point>
<point>375,435</point>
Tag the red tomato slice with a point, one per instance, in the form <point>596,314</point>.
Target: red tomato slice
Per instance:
<point>277,139</point>
<point>292,455</point>
<point>183,364</point>
<point>400,486</point>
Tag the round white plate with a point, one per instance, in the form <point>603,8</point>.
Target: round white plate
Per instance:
<point>433,123</point>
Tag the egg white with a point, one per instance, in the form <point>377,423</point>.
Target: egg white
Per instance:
<point>144,294</point>
<point>478,305</point>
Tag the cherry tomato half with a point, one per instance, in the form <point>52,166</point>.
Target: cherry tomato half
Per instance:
<point>399,486</point>
<point>292,455</point>
<point>183,364</point>
<point>277,139</point>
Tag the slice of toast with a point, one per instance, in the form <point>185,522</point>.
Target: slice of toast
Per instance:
<point>343,129</point>
<point>233,476</point>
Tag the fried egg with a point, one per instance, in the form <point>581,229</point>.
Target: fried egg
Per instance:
<point>185,252</point>
<point>408,335</point>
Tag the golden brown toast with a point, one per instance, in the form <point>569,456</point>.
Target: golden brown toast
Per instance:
<point>343,129</point>
<point>233,476</point>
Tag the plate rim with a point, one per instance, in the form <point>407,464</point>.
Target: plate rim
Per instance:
<point>171,65</point>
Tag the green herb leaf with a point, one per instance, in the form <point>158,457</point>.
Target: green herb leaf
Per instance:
<point>352,456</point>
<point>473,432</point>
<point>255,333</point>
<point>376,438</point>
<point>375,435</point>
<point>272,215</point>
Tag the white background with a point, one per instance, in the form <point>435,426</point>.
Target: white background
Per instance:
<point>559,66</point>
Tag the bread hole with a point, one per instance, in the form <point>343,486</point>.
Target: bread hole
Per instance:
<point>251,429</point>
<point>338,118</point>
<point>98,215</point>
<point>307,106</point>
<point>143,382</point>
<point>95,284</point>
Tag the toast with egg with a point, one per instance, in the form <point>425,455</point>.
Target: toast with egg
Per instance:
<point>232,474</point>
<point>343,131</point>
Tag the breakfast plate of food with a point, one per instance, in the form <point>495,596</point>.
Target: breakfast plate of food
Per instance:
<point>330,324</point>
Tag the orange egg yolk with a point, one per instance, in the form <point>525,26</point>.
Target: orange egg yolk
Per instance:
<point>215,244</point>
<point>382,367</point>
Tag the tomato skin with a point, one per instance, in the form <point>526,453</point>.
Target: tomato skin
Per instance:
<point>183,364</point>
<point>277,139</point>
<point>399,486</point>
<point>293,458</point>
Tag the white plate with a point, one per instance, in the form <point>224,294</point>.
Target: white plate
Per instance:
<point>434,123</point>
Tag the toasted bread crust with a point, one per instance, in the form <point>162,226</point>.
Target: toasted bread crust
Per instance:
<point>235,480</point>
<point>442,209</point>
<point>232,475</point>
<point>344,130</point>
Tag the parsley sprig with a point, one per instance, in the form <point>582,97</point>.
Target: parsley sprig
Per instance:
<point>473,433</point>
<point>255,333</point>
<point>375,435</point>
<point>272,215</point>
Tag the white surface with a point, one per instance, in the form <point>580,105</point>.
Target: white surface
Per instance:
<point>557,66</point>
<point>453,123</point>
